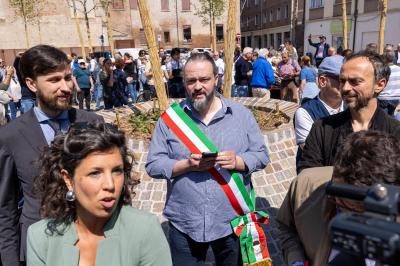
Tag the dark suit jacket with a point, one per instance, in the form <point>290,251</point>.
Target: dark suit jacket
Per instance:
<point>21,143</point>
<point>316,45</point>
<point>396,57</point>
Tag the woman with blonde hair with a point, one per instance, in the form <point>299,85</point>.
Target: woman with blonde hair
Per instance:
<point>308,79</point>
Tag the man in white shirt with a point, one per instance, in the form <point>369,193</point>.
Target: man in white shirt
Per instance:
<point>221,69</point>
<point>389,98</point>
<point>397,55</point>
<point>328,102</point>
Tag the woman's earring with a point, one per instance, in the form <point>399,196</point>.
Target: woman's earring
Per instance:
<point>70,195</point>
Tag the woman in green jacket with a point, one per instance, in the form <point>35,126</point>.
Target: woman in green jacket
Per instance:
<point>86,188</point>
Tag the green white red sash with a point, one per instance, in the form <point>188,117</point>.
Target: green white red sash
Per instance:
<point>247,225</point>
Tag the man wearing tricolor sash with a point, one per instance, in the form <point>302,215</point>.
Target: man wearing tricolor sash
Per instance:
<point>206,148</point>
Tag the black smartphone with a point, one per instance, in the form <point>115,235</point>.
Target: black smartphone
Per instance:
<point>208,154</point>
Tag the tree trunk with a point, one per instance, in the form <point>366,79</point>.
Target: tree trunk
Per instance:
<point>109,30</point>
<point>25,23</point>
<point>294,21</point>
<point>229,46</point>
<point>87,27</point>
<point>344,23</point>
<point>39,31</point>
<point>214,35</point>
<point>211,25</point>
<point>78,29</point>
<point>26,33</point>
<point>382,25</point>
<point>154,57</point>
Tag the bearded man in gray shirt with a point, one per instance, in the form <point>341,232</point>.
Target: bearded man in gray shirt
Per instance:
<point>197,207</point>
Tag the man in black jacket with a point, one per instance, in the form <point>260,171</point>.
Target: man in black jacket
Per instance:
<point>322,49</point>
<point>362,78</point>
<point>46,73</point>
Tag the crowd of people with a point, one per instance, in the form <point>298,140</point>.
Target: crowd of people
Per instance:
<point>66,184</point>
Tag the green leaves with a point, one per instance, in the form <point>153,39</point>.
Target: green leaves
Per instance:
<point>209,9</point>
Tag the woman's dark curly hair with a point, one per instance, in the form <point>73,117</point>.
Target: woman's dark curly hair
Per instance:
<point>368,157</point>
<point>66,152</point>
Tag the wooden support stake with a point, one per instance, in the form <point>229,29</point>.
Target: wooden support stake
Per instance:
<point>344,23</point>
<point>153,52</point>
<point>382,25</point>
<point>229,47</point>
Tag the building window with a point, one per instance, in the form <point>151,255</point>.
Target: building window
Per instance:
<point>133,4</point>
<point>316,3</point>
<point>265,17</point>
<point>256,2</point>
<point>271,16</point>
<point>279,38</point>
<point>167,38</point>
<point>278,14</point>
<point>118,4</point>
<point>164,5</point>
<point>219,32</point>
<point>247,22</point>
<point>249,41</point>
<point>271,40</point>
<point>187,34</point>
<point>265,40</point>
<point>185,5</point>
<point>287,36</point>
<point>286,11</point>
<point>255,20</point>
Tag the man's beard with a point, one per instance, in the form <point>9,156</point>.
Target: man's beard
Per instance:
<point>52,103</point>
<point>201,104</point>
<point>360,102</point>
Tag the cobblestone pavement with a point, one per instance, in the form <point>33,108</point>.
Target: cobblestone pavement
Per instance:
<point>270,184</point>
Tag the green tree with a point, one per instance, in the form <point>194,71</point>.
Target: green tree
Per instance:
<point>208,11</point>
<point>30,11</point>
<point>83,7</point>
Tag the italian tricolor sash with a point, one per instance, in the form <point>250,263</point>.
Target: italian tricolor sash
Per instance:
<point>247,225</point>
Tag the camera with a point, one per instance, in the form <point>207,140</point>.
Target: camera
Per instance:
<point>373,234</point>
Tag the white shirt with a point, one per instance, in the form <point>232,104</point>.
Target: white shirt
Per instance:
<point>320,53</point>
<point>392,89</point>
<point>398,57</point>
<point>221,66</point>
<point>15,88</point>
<point>303,121</point>
<point>92,64</point>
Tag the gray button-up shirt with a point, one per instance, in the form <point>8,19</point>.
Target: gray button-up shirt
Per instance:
<point>196,205</point>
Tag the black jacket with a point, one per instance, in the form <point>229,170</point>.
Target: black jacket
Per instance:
<point>316,45</point>
<point>327,134</point>
<point>21,143</point>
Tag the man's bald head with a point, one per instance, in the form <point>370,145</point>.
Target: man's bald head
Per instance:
<point>331,51</point>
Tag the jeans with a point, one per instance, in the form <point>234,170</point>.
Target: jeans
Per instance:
<point>98,91</point>
<point>26,105</point>
<point>185,251</point>
<point>240,91</point>
<point>14,106</point>
<point>131,88</point>
<point>84,94</point>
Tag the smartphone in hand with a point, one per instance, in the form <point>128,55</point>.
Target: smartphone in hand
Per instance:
<point>209,154</point>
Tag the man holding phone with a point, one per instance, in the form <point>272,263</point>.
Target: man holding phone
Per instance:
<point>197,208</point>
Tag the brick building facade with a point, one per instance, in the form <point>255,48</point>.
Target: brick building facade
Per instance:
<point>268,23</point>
<point>174,21</point>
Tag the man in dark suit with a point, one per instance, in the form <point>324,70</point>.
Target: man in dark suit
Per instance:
<point>322,49</point>
<point>46,72</point>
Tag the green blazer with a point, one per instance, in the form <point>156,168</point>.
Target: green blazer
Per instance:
<point>132,237</point>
